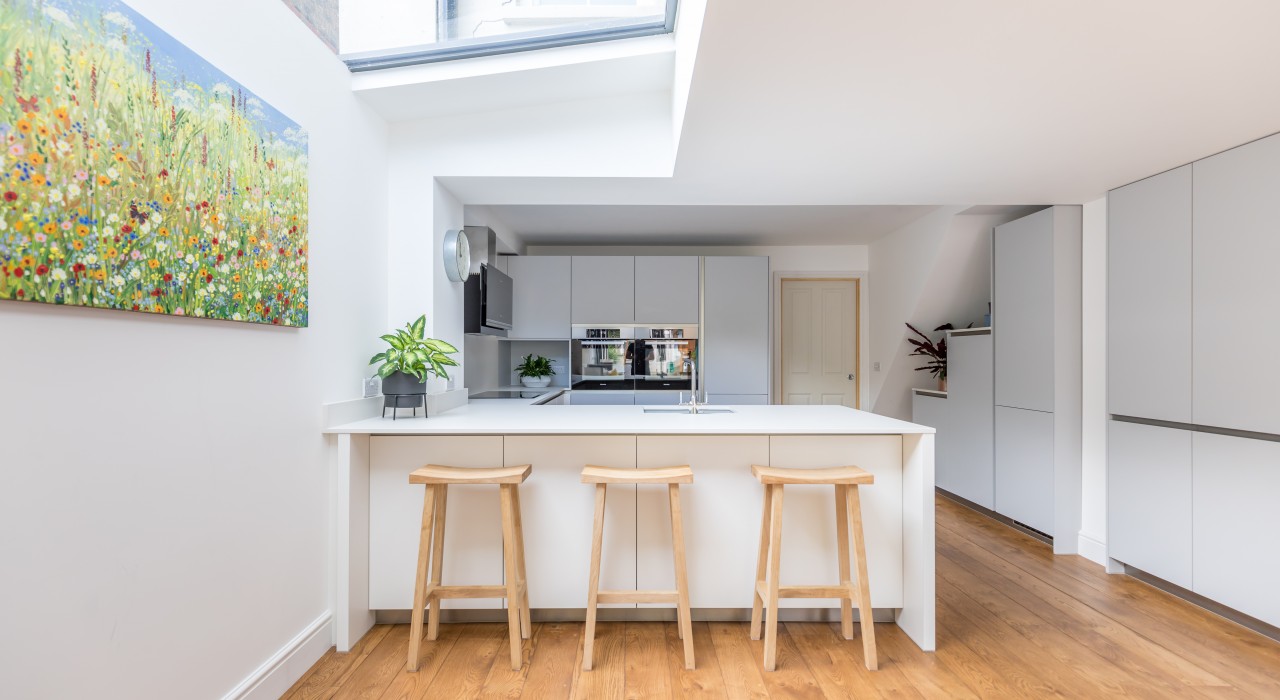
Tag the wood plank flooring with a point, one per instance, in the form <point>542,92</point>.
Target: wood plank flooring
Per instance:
<point>1014,621</point>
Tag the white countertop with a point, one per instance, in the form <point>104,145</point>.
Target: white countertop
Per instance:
<point>517,417</point>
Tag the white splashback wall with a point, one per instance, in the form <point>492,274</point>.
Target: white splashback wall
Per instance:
<point>164,491</point>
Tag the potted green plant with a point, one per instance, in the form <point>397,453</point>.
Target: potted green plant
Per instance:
<point>535,371</point>
<point>410,359</point>
<point>936,352</point>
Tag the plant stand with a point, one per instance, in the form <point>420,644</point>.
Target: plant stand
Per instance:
<point>395,401</point>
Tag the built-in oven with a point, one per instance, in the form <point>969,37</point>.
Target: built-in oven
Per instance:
<point>601,357</point>
<point>664,358</point>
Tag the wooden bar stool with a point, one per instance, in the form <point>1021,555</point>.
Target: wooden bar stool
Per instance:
<point>673,477</point>
<point>848,520</point>
<point>431,550</point>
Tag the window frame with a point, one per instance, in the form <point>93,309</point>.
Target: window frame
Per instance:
<point>486,46</point>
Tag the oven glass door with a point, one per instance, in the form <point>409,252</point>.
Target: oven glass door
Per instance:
<point>666,358</point>
<point>601,358</point>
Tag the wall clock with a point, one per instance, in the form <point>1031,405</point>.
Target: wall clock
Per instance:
<point>456,256</point>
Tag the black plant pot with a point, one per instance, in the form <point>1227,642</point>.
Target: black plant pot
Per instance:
<point>401,384</point>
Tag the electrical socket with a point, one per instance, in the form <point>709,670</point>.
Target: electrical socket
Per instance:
<point>370,386</point>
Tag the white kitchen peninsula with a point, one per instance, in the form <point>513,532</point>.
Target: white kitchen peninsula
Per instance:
<point>379,511</point>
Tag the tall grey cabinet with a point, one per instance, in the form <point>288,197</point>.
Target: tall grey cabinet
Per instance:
<point>735,329</point>
<point>1036,324</point>
<point>1193,453</point>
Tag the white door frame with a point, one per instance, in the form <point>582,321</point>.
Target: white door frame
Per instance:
<point>864,378</point>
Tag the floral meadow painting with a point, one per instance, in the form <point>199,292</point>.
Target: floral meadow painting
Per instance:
<point>137,176</point>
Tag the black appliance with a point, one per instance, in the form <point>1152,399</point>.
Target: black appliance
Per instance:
<point>488,302</point>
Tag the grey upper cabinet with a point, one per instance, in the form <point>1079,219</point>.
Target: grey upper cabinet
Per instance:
<point>666,289</point>
<point>735,329</point>
<point>603,289</point>
<point>1149,297</point>
<point>1236,288</point>
<point>1023,312</point>
<point>541,290</point>
<point>1149,504</point>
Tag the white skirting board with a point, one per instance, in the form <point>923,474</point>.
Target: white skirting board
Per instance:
<point>1093,550</point>
<point>278,673</point>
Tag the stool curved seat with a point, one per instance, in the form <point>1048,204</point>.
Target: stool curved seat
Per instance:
<point>592,474</point>
<point>825,476</point>
<point>440,474</point>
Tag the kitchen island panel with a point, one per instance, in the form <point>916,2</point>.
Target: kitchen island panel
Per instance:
<point>809,520</point>
<point>558,510</point>
<point>473,527</point>
<point>721,515</point>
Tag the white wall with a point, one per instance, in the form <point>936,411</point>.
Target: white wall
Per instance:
<point>932,271</point>
<point>164,492</point>
<point>782,258</point>
<point>627,135</point>
<point>1093,522</point>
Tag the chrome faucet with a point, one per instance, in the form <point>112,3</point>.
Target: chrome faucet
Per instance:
<point>693,396</point>
<point>692,403</point>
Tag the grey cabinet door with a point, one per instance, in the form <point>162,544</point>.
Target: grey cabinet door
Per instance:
<point>1236,288</point>
<point>1235,485</point>
<point>735,327</point>
<point>601,398</point>
<point>970,452</point>
<point>604,289</point>
<point>1022,312</point>
<point>667,289</point>
<point>542,296</point>
<point>1024,467</point>
<point>1149,297</point>
<point>1149,499</point>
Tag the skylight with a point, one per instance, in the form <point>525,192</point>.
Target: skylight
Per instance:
<point>395,33</point>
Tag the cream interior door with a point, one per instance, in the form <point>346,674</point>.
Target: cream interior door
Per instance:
<point>820,341</point>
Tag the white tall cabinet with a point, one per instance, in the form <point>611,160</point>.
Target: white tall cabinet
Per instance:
<point>1036,324</point>
<point>1194,435</point>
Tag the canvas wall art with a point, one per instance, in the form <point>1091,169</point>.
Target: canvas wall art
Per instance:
<point>137,176</point>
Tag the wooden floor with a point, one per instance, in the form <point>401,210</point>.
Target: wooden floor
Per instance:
<point>1014,621</point>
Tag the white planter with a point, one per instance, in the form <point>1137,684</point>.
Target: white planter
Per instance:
<point>535,382</point>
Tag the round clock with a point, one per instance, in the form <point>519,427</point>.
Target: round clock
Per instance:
<point>456,256</point>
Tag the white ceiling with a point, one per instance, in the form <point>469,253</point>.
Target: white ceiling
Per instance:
<point>704,225</point>
<point>866,102</point>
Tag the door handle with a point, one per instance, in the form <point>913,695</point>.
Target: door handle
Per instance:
<point>850,377</point>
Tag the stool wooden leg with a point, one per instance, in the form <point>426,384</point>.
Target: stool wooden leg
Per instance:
<point>683,621</point>
<point>512,578</point>
<point>526,627</point>
<point>437,561</point>
<point>842,553</point>
<point>775,560</point>
<point>864,586</point>
<point>757,603</point>
<point>420,582</point>
<point>593,586</point>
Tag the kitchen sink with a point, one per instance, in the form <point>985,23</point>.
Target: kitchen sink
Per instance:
<point>701,410</point>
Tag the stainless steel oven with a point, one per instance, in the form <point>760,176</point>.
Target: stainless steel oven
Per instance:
<point>602,356</point>
<point>664,358</point>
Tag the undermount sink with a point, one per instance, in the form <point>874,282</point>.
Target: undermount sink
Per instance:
<point>685,409</point>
